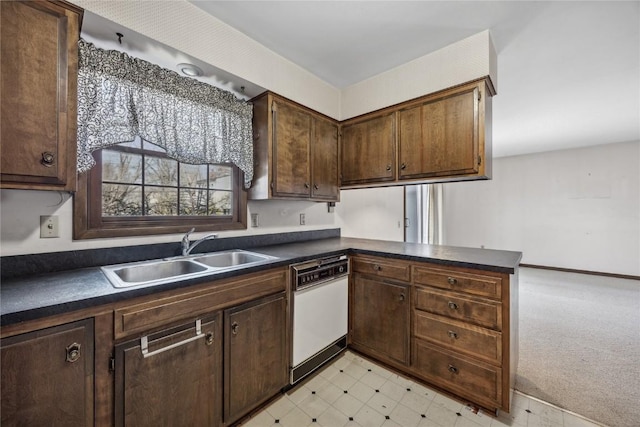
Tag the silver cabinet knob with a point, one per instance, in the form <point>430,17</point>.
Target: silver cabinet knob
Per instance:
<point>48,159</point>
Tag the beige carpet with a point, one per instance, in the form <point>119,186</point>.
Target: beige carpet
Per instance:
<point>580,344</point>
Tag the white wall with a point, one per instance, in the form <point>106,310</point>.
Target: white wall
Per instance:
<point>20,223</point>
<point>577,208</point>
<point>466,60</point>
<point>372,213</point>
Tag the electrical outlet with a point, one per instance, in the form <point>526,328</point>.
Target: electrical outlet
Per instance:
<point>254,219</point>
<point>49,226</point>
<point>302,219</point>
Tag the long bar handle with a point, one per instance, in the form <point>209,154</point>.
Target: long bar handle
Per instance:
<point>144,342</point>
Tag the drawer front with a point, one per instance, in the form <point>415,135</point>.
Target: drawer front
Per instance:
<point>458,336</point>
<point>149,315</point>
<point>468,309</point>
<point>479,382</point>
<point>387,268</point>
<point>459,281</point>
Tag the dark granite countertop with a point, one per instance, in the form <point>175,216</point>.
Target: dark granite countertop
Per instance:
<point>36,296</point>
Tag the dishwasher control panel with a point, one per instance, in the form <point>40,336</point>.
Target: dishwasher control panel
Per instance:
<point>311,273</point>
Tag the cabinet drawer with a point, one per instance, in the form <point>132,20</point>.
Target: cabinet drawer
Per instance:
<point>458,336</point>
<point>388,268</point>
<point>473,310</point>
<point>475,380</point>
<point>458,281</point>
<point>148,315</point>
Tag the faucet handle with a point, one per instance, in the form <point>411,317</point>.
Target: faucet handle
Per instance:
<point>185,241</point>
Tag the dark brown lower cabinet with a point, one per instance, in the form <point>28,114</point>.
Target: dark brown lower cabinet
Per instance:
<point>47,377</point>
<point>380,318</point>
<point>256,362</point>
<point>473,379</point>
<point>171,378</point>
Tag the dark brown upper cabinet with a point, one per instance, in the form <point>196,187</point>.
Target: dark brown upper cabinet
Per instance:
<point>295,151</point>
<point>369,150</point>
<point>441,137</point>
<point>39,53</point>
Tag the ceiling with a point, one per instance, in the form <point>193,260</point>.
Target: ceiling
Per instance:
<point>568,71</point>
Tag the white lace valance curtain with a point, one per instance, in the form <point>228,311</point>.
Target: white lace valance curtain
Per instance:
<point>120,97</point>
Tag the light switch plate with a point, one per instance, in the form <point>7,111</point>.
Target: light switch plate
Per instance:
<point>49,226</point>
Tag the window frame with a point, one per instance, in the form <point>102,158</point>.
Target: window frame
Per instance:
<point>88,222</point>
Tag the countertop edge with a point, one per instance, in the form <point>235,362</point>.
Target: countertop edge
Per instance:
<point>289,253</point>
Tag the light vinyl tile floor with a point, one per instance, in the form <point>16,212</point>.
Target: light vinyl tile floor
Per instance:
<point>356,392</point>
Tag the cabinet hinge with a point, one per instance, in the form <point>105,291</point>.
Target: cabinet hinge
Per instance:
<point>479,160</point>
<point>112,364</point>
<point>271,185</point>
<point>479,95</point>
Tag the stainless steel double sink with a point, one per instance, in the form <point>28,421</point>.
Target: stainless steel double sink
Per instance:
<point>168,270</point>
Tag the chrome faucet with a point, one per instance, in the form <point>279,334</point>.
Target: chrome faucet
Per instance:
<point>187,247</point>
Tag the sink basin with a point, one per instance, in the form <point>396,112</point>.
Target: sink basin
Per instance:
<point>231,258</point>
<point>179,268</point>
<point>151,271</point>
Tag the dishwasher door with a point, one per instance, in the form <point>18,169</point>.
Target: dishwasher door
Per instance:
<point>319,317</point>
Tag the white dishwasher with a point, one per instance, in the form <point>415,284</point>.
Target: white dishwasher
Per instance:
<point>320,313</point>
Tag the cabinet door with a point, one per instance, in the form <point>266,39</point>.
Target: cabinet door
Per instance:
<point>256,362</point>
<point>176,380</point>
<point>291,143</point>
<point>324,153</point>
<point>368,151</point>
<point>47,377</point>
<point>38,85</point>
<point>380,317</point>
<point>440,137</point>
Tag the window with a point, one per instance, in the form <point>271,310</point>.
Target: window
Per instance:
<point>135,189</point>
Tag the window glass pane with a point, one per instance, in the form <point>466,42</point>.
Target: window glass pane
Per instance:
<point>220,177</point>
<point>137,183</point>
<point>193,202</point>
<point>146,145</point>
<point>194,176</point>
<point>161,201</point>
<point>220,202</point>
<point>121,167</point>
<point>160,171</point>
<point>121,200</point>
